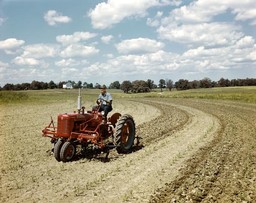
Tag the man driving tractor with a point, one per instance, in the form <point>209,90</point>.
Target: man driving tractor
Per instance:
<point>105,101</point>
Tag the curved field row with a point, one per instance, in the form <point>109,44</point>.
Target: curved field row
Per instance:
<point>225,169</point>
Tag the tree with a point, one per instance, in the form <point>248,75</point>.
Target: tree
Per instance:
<point>115,85</point>
<point>221,82</point>
<point>214,84</point>
<point>194,84</point>
<point>161,84</point>
<point>224,82</point>
<point>169,84</point>
<point>126,86</point>
<point>60,84</point>
<point>85,85</point>
<point>139,86</point>
<point>90,85</point>
<point>182,84</point>
<point>52,85</point>
<point>43,85</point>
<point>25,86</point>
<point>8,86</point>
<point>97,86</point>
<point>150,84</point>
<point>35,85</point>
<point>205,83</point>
<point>234,82</point>
<point>79,84</point>
<point>17,87</point>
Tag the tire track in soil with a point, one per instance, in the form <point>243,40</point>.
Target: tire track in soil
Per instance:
<point>170,120</point>
<point>136,176</point>
<point>225,169</point>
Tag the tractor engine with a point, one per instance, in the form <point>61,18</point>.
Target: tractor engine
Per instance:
<point>68,123</point>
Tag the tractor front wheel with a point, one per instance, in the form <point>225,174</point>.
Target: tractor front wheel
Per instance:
<point>67,152</point>
<point>124,134</point>
<point>57,148</point>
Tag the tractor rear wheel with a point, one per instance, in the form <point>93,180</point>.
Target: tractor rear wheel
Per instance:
<point>67,152</point>
<point>124,134</point>
<point>57,148</point>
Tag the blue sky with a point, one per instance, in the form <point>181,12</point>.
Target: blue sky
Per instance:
<point>104,41</point>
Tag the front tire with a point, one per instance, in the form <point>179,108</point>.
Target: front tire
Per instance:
<point>57,148</point>
<point>67,152</point>
<point>124,134</point>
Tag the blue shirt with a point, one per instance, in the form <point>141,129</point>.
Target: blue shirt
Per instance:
<point>106,96</point>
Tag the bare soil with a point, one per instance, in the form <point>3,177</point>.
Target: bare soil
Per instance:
<point>191,151</point>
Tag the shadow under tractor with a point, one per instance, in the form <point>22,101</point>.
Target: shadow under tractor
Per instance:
<point>90,129</point>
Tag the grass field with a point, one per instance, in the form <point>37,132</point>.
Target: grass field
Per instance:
<point>245,94</point>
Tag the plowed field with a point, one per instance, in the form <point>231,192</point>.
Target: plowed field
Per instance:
<point>191,151</point>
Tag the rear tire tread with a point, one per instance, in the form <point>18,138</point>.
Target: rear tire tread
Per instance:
<point>118,134</point>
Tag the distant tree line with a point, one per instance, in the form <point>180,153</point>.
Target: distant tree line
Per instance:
<point>208,83</point>
<point>136,86</point>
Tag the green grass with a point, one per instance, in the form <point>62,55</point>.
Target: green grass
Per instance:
<point>45,96</point>
<point>244,94</point>
<point>13,97</point>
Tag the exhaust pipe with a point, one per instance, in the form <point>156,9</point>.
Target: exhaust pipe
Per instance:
<point>79,101</point>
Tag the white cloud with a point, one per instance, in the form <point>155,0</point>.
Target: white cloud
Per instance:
<point>53,17</point>
<point>197,11</point>
<point>19,60</point>
<point>252,55</point>
<point>194,25</point>
<point>70,72</point>
<point>151,61</point>
<point>229,57</point>
<point>70,62</point>
<point>39,51</point>
<point>154,22</point>
<point>245,42</point>
<point>106,39</point>
<point>200,60</point>
<point>243,14</point>
<point>202,52</point>
<point>112,12</point>
<point>204,11</point>
<point>139,45</point>
<point>78,50</point>
<point>11,43</point>
<point>208,34</point>
<point>246,12</point>
<point>75,37</point>
<point>134,65</point>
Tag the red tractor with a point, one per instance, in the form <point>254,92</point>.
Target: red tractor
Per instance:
<point>90,128</point>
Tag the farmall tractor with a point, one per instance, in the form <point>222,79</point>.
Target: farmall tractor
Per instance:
<point>90,129</point>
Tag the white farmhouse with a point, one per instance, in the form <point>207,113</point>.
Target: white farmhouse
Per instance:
<point>68,85</point>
